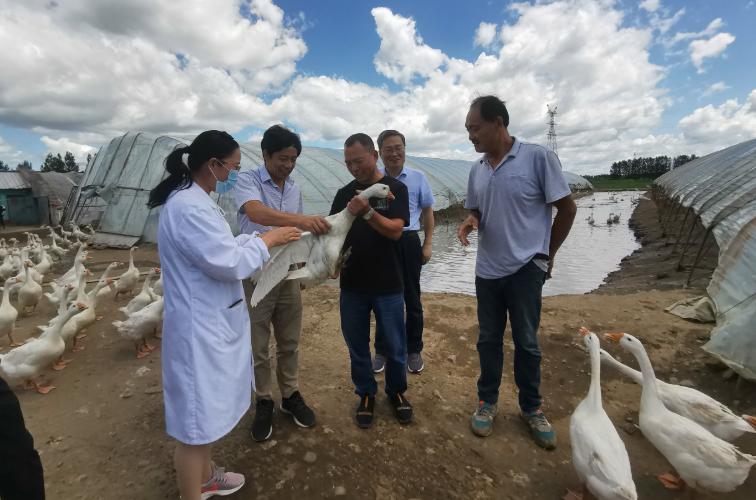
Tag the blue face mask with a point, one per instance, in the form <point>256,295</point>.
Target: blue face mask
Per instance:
<point>227,185</point>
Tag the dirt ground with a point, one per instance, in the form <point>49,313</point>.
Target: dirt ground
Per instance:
<point>101,432</point>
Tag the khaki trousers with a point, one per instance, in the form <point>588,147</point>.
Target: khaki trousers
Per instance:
<point>281,309</point>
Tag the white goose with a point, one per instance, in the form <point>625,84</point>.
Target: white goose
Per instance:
<point>29,293</point>
<point>701,459</point>
<point>74,327</point>
<point>695,405</point>
<point>145,297</point>
<point>598,454</point>
<point>79,234</point>
<point>157,288</point>
<point>322,253</point>
<point>7,269</point>
<point>129,279</point>
<point>25,363</point>
<point>8,313</point>
<point>141,323</point>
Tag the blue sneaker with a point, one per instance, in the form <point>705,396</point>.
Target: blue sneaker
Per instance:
<point>481,422</point>
<point>540,428</point>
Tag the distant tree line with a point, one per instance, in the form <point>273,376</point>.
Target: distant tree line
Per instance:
<point>52,163</point>
<point>647,167</point>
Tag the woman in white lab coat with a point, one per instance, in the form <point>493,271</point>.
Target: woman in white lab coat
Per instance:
<point>206,353</point>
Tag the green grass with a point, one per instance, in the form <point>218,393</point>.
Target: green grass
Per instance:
<point>601,183</point>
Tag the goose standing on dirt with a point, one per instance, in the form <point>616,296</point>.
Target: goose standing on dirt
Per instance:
<point>74,327</point>
<point>702,460</point>
<point>8,313</point>
<point>25,363</point>
<point>141,323</point>
<point>29,293</point>
<point>322,253</point>
<point>145,297</point>
<point>157,288</point>
<point>693,404</point>
<point>129,279</point>
<point>598,454</point>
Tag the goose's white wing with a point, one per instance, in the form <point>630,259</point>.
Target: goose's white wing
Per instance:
<point>277,267</point>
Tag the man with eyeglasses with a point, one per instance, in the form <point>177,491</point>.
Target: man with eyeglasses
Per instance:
<point>267,197</point>
<point>412,254</point>
<point>371,279</point>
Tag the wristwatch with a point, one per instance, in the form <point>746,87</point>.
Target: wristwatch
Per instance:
<point>369,214</point>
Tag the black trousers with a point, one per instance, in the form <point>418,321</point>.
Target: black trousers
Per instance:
<point>411,260</point>
<point>21,475</point>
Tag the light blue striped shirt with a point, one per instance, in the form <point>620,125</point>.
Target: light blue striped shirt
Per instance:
<point>514,200</point>
<point>419,191</point>
<point>256,185</point>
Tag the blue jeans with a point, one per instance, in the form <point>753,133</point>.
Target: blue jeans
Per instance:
<point>355,326</point>
<point>518,295</point>
<point>411,257</point>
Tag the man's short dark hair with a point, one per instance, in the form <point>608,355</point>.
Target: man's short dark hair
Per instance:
<point>389,133</point>
<point>491,107</point>
<point>279,137</point>
<point>360,138</point>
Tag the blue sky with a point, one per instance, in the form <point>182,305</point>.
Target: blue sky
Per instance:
<point>651,77</point>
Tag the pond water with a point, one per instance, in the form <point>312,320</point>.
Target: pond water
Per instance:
<point>585,259</point>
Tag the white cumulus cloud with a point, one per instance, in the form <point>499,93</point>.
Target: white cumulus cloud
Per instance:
<point>649,5</point>
<point>105,67</point>
<point>701,50</point>
<point>715,88</point>
<point>719,126</point>
<point>63,144</point>
<point>402,54</point>
<point>485,34</point>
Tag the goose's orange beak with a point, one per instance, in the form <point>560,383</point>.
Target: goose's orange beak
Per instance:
<point>583,331</point>
<point>81,306</point>
<point>751,420</point>
<point>614,337</point>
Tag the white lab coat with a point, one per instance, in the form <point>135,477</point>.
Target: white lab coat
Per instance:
<point>206,348</point>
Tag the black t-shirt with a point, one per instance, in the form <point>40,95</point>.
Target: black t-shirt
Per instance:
<point>373,265</point>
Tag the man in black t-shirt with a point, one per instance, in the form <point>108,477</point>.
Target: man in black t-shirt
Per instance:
<point>371,280</point>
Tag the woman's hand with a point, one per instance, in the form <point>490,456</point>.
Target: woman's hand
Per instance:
<point>280,236</point>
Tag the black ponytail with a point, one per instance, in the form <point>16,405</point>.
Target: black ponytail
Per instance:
<point>209,144</point>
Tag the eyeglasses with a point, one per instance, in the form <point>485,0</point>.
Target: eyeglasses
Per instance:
<point>222,162</point>
<point>393,149</point>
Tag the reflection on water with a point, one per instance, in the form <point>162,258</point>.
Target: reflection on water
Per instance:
<point>588,255</point>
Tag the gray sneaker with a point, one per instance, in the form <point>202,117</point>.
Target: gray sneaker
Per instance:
<point>540,428</point>
<point>415,363</point>
<point>482,420</point>
<point>379,363</point>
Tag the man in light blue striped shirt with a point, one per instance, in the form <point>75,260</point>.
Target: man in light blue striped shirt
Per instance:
<point>267,197</point>
<point>413,255</point>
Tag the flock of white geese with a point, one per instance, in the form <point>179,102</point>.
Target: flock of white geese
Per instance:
<point>23,272</point>
<point>692,430</point>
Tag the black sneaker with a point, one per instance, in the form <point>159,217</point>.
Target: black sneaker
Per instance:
<point>295,406</point>
<point>262,425</point>
<point>402,408</point>
<point>364,415</point>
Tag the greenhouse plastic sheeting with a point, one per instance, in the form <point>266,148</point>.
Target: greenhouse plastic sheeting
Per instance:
<point>576,182</point>
<point>131,165</point>
<point>721,190</point>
